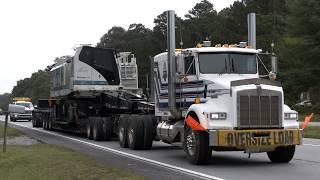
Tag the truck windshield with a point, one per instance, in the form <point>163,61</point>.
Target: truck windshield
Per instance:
<point>211,63</point>
<point>25,104</point>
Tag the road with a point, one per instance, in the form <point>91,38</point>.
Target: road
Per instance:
<point>171,163</point>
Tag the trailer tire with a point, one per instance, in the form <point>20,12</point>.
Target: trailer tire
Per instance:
<point>97,132</point>
<point>49,123</point>
<point>34,120</point>
<point>107,128</point>
<point>44,121</point>
<point>282,154</point>
<point>12,119</point>
<point>148,131</point>
<point>89,127</point>
<point>123,130</point>
<point>197,146</point>
<point>135,133</point>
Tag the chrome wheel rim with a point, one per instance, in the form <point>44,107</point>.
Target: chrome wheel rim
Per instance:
<point>131,136</point>
<point>121,130</point>
<point>191,143</point>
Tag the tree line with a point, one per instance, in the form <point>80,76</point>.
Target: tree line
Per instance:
<point>292,25</point>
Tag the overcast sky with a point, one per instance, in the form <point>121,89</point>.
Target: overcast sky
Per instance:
<point>34,32</point>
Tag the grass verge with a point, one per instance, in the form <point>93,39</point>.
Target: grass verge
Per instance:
<point>11,132</point>
<point>43,161</point>
<point>315,118</point>
<point>311,132</point>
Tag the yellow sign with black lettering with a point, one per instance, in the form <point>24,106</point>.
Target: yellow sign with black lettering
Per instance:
<point>258,138</point>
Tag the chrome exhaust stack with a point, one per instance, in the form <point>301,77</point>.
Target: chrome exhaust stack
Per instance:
<point>252,30</point>
<point>171,45</point>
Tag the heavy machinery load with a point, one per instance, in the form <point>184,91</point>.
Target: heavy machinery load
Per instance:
<point>87,93</point>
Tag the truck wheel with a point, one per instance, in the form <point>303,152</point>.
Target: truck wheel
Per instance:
<point>12,119</point>
<point>135,133</point>
<point>89,127</point>
<point>49,123</point>
<point>197,146</point>
<point>107,128</point>
<point>44,121</point>
<point>148,131</point>
<point>34,121</point>
<point>97,132</point>
<point>282,154</point>
<point>123,128</point>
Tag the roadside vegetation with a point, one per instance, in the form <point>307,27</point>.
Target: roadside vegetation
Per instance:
<point>311,132</point>
<point>44,161</point>
<point>11,132</point>
<point>315,118</point>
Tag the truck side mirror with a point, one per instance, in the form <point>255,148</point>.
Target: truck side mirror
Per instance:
<point>180,64</point>
<point>274,63</point>
<point>16,108</point>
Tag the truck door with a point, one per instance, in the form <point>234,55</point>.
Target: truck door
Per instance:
<point>188,76</point>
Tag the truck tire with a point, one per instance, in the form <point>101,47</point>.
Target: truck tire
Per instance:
<point>282,154</point>
<point>148,131</point>
<point>34,120</point>
<point>107,128</point>
<point>89,127</point>
<point>49,120</point>
<point>135,133</point>
<point>197,146</point>
<point>123,130</point>
<point>44,121</point>
<point>97,133</point>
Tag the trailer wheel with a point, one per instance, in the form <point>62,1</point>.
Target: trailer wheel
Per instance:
<point>12,119</point>
<point>197,146</point>
<point>97,133</point>
<point>148,131</point>
<point>49,123</point>
<point>123,128</point>
<point>44,121</point>
<point>135,133</point>
<point>34,120</point>
<point>282,154</point>
<point>89,127</point>
<point>107,128</point>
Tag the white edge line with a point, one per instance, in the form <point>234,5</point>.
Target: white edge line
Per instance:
<point>179,169</point>
<point>315,145</point>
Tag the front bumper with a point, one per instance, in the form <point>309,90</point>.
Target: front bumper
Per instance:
<point>255,138</point>
<point>22,116</point>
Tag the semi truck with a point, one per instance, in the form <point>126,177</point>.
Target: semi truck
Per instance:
<point>203,98</point>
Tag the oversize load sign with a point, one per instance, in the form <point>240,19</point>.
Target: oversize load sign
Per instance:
<point>255,138</point>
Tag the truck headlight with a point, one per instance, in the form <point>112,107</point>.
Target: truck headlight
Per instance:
<point>291,116</point>
<point>218,116</point>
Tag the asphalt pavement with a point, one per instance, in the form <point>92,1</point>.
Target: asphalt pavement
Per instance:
<point>164,161</point>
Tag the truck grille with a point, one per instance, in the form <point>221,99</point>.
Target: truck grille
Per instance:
<point>259,111</point>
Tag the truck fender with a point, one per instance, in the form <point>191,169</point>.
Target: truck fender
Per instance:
<point>197,109</point>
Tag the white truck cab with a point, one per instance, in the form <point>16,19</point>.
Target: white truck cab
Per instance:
<point>223,104</point>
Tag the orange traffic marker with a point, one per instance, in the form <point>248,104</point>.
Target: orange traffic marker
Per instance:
<point>191,122</point>
<point>307,119</point>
